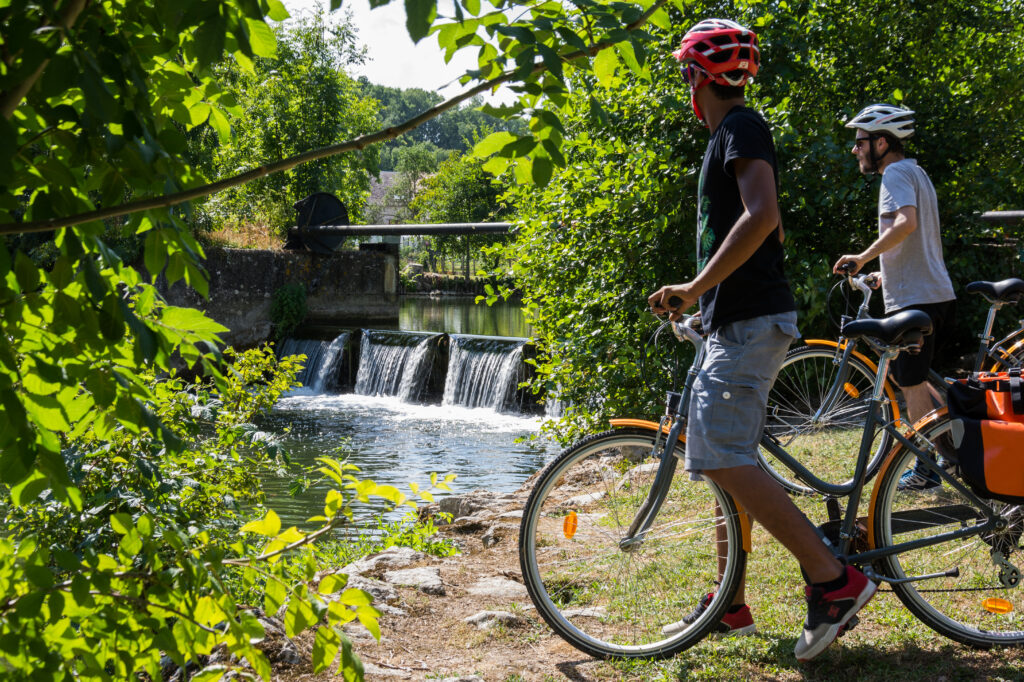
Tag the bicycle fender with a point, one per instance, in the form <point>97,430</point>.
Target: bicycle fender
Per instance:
<point>745,522</point>
<point>643,424</point>
<point>867,361</point>
<point>888,462</point>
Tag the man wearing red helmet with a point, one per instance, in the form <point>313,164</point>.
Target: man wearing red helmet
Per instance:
<point>750,315</point>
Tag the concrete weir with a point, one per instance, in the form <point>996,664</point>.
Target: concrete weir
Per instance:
<point>345,287</point>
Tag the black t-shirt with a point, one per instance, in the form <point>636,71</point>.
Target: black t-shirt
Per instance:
<point>758,287</point>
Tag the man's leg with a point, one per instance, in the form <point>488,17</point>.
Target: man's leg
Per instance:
<point>918,399</point>
<point>769,505</point>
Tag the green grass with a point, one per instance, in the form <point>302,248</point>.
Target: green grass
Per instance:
<point>889,644</point>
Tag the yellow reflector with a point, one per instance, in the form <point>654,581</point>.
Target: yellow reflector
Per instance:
<point>569,525</point>
<point>997,605</point>
<point>851,390</point>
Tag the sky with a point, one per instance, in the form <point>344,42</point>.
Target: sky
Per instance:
<point>394,60</point>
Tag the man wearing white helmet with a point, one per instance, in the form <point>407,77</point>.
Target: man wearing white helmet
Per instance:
<point>909,250</point>
<point>749,313</point>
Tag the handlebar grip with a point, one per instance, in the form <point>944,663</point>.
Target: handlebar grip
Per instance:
<point>675,301</point>
<point>847,266</point>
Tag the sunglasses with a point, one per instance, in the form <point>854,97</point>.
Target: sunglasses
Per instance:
<point>690,71</point>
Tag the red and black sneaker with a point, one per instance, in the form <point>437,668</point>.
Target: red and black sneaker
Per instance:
<point>737,621</point>
<point>829,613</point>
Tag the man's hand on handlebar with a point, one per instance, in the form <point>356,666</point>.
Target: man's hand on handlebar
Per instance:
<point>674,299</point>
<point>874,280</point>
<point>847,265</point>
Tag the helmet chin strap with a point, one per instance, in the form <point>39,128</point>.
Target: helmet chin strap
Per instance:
<point>693,100</point>
<point>875,158</point>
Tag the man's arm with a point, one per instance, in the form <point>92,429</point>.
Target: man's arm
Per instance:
<point>760,218</point>
<point>904,223</point>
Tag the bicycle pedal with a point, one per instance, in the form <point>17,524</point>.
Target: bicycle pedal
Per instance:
<point>850,624</point>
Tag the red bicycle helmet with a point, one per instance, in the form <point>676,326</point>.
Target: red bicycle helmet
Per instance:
<point>721,47</point>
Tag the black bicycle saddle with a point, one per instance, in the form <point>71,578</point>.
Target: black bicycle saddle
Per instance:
<point>1007,291</point>
<point>902,328</point>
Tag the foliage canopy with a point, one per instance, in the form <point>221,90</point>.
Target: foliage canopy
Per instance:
<point>618,219</point>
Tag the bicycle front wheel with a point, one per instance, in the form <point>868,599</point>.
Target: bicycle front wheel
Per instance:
<point>609,588</point>
<point>819,420</point>
<point>968,589</point>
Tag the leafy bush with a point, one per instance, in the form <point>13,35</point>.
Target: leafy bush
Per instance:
<point>153,553</point>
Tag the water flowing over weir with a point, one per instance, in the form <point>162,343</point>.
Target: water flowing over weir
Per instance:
<point>483,371</point>
<point>402,405</point>
<point>394,363</point>
<point>323,360</point>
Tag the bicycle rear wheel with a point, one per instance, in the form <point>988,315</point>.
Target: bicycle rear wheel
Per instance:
<point>820,423</point>
<point>983,604</point>
<point>1007,353</point>
<point>606,590</point>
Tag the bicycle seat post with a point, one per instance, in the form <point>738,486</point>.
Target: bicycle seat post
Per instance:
<point>985,338</point>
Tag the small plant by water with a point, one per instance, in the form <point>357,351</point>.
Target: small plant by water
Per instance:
<point>288,309</point>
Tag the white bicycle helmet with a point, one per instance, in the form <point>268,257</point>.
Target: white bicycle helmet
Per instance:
<point>885,118</point>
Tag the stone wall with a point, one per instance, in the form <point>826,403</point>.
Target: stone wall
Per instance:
<point>346,287</point>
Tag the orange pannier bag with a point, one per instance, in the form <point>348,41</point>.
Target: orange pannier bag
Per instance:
<point>990,408</point>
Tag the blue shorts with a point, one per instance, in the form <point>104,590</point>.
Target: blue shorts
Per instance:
<point>727,409</point>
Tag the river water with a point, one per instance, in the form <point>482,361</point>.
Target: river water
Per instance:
<point>396,441</point>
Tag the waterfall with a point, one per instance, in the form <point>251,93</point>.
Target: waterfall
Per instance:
<point>482,371</point>
<point>322,360</point>
<point>394,363</point>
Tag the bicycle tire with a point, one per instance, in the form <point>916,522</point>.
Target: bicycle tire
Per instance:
<point>611,602</point>
<point>954,606</point>
<point>827,444</point>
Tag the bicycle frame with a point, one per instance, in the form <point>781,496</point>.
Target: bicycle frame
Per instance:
<point>677,409</point>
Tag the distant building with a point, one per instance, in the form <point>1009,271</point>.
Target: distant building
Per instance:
<point>381,207</point>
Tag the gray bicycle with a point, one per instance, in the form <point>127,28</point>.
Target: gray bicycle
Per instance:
<point>614,546</point>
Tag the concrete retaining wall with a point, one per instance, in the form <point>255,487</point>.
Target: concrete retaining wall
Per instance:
<point>347,287</point>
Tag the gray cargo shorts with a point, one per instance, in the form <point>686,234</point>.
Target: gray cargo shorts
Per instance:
<point>727,409</point>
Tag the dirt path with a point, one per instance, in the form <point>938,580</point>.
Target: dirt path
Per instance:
<point>424,630</point>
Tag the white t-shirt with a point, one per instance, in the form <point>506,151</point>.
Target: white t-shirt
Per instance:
<point>913,272</point>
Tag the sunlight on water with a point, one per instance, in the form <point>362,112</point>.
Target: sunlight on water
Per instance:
<point>396,442</point>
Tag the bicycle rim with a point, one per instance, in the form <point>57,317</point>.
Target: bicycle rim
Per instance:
<point>976,607</point>
<point>612,602</point>
<point>822,431</point>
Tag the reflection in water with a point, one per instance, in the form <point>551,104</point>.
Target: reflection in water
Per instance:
<point>394,442</point>
<point>460,315</point>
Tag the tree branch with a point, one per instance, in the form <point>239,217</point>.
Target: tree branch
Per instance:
<point>361,142</point>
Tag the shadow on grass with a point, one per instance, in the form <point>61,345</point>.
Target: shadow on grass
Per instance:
<point>774,659</point>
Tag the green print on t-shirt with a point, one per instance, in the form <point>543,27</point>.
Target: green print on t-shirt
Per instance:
<point>705,235</point>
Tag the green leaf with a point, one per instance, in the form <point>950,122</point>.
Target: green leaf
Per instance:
<point>269,525</point>
<point>326,644</point>
<point>298,617</point>
<point>190,320</point>
<point>419,15</point>
<point>605,64</point>
<point>29,489</point>
<point>121,523</point>
<point>261,37</point>
<point>332,582</point>
<point>542,170</point>
<point>493,143</point>
<point>278,12</point>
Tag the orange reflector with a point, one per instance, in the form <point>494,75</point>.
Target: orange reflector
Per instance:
<point>569,525</point>
<point>997,605</point>
<point>851,390</point>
